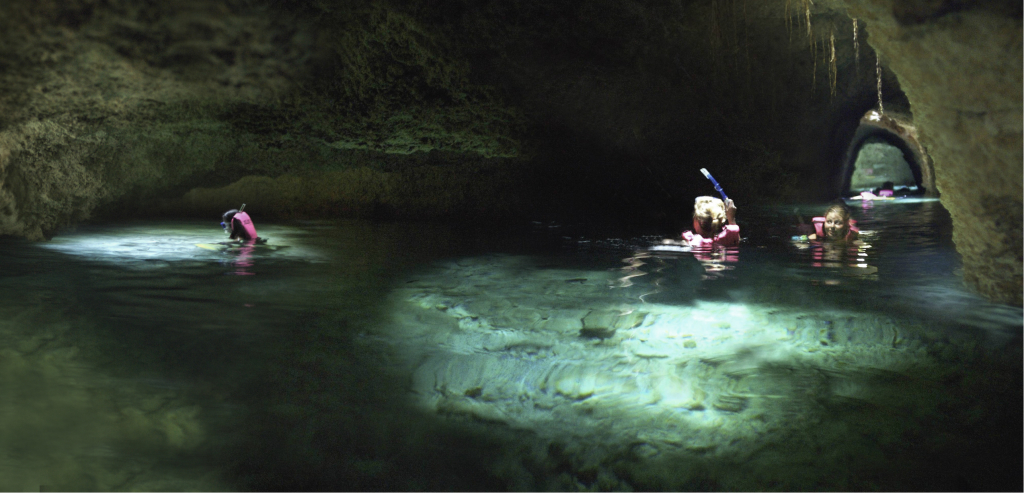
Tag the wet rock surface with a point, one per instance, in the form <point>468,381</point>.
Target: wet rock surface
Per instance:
<point>375,108</point>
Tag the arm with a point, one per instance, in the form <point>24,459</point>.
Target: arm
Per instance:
<point>730,211</point>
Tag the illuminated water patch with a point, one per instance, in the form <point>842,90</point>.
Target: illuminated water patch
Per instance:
<point>146,244</point>
<point>569,357</point>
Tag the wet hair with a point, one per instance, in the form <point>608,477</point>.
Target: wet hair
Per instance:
<point>844,212</point>
<point>228,216</point>
<point>709,212</point>
<point>841,209</point>
<point>227,223</point>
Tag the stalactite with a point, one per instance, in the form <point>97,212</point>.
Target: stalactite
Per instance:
<point>813,48</point>
<point>802,10</point>
<point>832,72</point>
<point>807,11</point>
<point>856,48</point>
<point>878,75</point>
<point>814,65</point>
<point>789,23</point>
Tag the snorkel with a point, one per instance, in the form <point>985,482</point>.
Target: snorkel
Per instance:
<point>715,183</point>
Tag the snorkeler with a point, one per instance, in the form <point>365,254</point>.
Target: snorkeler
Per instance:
<point>877,194</point>
<point>836,225</point>
<point>714,223</point>
<point>238,226</point>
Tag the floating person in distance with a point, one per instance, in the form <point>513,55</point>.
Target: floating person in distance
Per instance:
<point>238,226</point>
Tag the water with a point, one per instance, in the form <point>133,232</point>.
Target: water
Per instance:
<point>360,356</point>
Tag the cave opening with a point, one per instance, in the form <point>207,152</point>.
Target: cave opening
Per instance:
<point>884,151</point>
<point>878,163</point>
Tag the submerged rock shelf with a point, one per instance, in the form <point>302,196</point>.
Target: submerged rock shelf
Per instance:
<point>573,360</point>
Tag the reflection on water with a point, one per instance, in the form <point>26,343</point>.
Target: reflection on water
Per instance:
<point>410,357</point>
<point>716,260</point>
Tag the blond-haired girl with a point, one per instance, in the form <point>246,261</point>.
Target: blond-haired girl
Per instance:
<point>714,223</point>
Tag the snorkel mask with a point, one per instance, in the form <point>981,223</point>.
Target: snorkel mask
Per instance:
<point>228,217</point>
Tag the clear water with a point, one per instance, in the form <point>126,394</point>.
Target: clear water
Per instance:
<point>360,356</point>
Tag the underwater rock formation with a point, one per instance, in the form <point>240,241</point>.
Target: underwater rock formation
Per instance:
<point>450,108</point>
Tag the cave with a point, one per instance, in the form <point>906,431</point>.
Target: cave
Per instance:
<point>393,130</point>
<point>202,102</point>
<point>880,163</point>
<point>882,153</point>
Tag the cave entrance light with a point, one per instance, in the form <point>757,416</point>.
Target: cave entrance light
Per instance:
<point>879,162</point>
<point>885,148</point>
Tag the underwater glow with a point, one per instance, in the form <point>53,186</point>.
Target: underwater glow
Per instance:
<point>668,358</point>
<point>151,243</point>
<point>574,354</point>
<point>612,366</point>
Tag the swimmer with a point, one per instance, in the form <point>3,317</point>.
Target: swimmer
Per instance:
<point>885,192</point>
<point>714,223</point>
<point>238,226</point>
<point>836,225</point>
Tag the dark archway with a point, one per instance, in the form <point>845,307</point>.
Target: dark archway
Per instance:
<point>882,130</point>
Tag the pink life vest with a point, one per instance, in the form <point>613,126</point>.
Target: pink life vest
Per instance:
<point>250,230</point>
<point>819,229</point>
<point>730,236</point>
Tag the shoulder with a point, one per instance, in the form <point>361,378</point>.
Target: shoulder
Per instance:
<point>694,239</point>
<point>729,231</point>
<point>730,236</point>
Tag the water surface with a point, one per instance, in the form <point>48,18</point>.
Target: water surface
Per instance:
<point>360,356</point>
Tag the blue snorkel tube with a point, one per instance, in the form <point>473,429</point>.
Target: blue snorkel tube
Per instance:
<point>715,183</point>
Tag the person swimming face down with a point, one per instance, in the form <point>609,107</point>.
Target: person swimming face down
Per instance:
<point>837,222</point>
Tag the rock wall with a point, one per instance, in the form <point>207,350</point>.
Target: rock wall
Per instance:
<point>118,108</point>
<point>961,71</point>
<point>595,110</point>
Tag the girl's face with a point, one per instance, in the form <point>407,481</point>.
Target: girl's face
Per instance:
<point>836,226</point>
